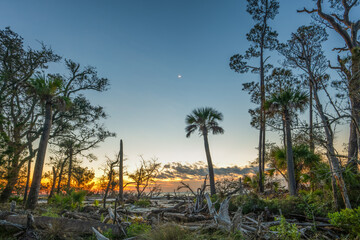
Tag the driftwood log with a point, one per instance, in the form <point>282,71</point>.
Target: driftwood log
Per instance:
<point>67,225</point>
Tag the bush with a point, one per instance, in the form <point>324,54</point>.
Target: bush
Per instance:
<point>70,201</point>
<point>50,213</point>
<point>17,199</point>
<point>286,231</point>
<point>136,229</point>
<point>348,220</point>
<point>249,203</point>
<point>144,202</point>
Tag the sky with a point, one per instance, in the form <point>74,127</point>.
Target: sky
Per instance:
<point>142,46</point>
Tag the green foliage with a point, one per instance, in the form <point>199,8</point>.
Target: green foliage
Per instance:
<point>96,203</point>
<point>308,203</point>
<point>71,200</point>
<point>144,202</point>
<point>136,229</point>
<point>286,231</point>
<point>50,212</point>
<point>17,199</point>
<point>316,203</point>
<point>249,203</point>
<point>348,220</point>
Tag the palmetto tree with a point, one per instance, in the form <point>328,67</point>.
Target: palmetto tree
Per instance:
<point>205,121</point>
<point>48,89</point>
<point>285,103</point>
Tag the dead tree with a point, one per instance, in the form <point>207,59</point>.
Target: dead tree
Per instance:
<point>110,178</point>
<point>121,172</point>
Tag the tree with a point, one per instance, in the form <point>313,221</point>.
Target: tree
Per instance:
<point>339,19</point>
<point>285,103</point>
<point>262,38</point>
<point>48,89</point>
<point>144,177</point>
<point>304,51</point>
<point>205,121</point>
<point>110,164</point>
<point>305,163</point>
<point>79,80</point>
<point>19,111</point>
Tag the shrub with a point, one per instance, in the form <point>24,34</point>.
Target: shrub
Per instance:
<point>50,213</point>
<point>136,229</point>
<point>144,202</point>
<point>250,203</point>
<point>71,200</point>
<point>17,199</point>
<point>286,231</point>
<point>96,203</point>
<point>348,220</point>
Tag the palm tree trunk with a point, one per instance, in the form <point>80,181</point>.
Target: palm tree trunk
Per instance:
<point>289,155</point>
<point>210,166</point>
<point>40,159</point>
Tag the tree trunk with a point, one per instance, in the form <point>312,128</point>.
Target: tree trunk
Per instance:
<point>210,166</point>
<point>40,159</point>
<point>311,133</point>
<point>121,172</point>
<point>335,165</point>
<point>107,187</point>
<point>27,181</point>
<point>60,176</point>
<point>289,155</point>
<point>354,88</point>
<point>70,167</point>
<point>353,148</point>
<point>53,183</point>
<point>12,179</point>
<point>334,189</point>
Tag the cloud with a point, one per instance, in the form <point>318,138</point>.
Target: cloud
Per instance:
<point>199,170</point>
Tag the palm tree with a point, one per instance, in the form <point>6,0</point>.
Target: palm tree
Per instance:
<point>285,103</point>
<point>47,89</point>
<point>205,120</point>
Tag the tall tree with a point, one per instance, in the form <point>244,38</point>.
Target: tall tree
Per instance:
<point>79,80</point>
<point>48,89</point>
<point>304,51</point>
<point>285,103</point>
<point>262,38</point>
<point>19,111</point>
<point>337,17</point>
<point>205,121</point>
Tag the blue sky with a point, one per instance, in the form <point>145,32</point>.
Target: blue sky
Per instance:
<point>141,46</point>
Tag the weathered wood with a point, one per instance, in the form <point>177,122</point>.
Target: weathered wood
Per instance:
<point>15,226</point>
<point>170,209</point>
<point>98,235</point>
<point>12,206</point>
<point>68,225</point>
